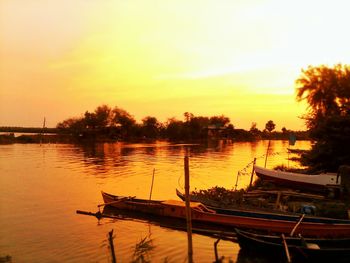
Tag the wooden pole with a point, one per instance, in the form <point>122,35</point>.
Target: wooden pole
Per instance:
<point>296,226</point>
<point>188,209</point>
<point>216,250</point>
<point>286,248</point>
<point>150,194</point>
<point>42,131</point>
<point>278,199</point>
<point>237,180</point>
<point>267,153</point>
<point>252,175</point>
<point>110,238</point>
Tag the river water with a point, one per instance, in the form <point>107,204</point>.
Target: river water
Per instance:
<point>42,186</point>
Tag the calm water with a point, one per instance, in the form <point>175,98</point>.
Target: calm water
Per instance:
<point>41,187</point>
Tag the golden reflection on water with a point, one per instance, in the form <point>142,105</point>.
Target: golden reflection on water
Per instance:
<point>41,187</point>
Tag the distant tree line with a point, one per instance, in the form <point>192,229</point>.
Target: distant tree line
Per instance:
<point>106,123</point>
<point>111,124</point>
<point>327,92</point>
<point>116,123</point>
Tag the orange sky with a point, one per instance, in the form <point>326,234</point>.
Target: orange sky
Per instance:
<point>163,58</point>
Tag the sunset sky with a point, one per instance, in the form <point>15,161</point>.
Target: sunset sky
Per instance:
<point>240,58</point>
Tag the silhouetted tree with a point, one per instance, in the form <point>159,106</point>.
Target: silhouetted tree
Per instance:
<point>103,116</point>
<point>253,128</point>
<point>219,121</point>
<point>150,127</point>
<point>174,129</point>
<point>188,116</point>
<point>124,121</point>
<point>270,126</point>
<point>327,91</point>
<point>197,127</point>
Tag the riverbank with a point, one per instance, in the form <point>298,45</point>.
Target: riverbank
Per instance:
<point>20,137</point>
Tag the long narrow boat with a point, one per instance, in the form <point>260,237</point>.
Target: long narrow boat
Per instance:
<point>277,223</point>
<point>311,182</point>
<point>304,249</point>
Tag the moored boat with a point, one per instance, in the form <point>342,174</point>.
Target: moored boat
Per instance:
<point>271,222</point>
<point>299,248</point>
<point>311,182</point>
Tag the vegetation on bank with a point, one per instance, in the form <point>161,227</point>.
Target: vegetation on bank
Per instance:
<point>117,123</point>
<point>107,124</point>
<point>195,129</point>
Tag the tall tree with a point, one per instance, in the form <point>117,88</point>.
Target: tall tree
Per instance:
<point>219,121</point>
<point>327,92</point>
<point>270,126</point>
<point>123,118</point>
<point>104,116</point>
<point>150,127</point>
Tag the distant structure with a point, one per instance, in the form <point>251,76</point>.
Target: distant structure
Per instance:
<point>216,132</point>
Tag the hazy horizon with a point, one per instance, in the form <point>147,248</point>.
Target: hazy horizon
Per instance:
<point>163,58</point>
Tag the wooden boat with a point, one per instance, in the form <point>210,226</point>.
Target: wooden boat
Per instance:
<point>272,222</point>
<point>310,182</point>
<point>299,248</point>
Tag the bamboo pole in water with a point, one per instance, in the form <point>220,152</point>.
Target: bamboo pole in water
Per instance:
<point>110,238</point>
<point>188,209</point>
<point>217,260</point>
<point>267,153</point>
<point>150,194</point>
<point>42,132</point>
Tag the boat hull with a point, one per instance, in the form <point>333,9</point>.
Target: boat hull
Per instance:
<point>315,250</point>
<point>276,223</point>
<point>315,183</point>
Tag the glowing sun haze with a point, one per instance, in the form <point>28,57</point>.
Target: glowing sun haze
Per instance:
<point>59,59</point>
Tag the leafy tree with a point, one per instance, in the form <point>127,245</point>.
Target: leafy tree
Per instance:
<point>89,120</point>
<point>74,126</point>
<point>125,121</point>
<point>270,126</point>
<point>174,129</point>
<point>188,116</point>
<point>103,116</point>
<point>253,128</point>
<point>150,127</point>
<point>196,127</point>
<point>219,121</point>
<point>327,92</point>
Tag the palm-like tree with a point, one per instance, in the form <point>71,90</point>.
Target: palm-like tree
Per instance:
<point>319,86</point>
<point>327,92</point>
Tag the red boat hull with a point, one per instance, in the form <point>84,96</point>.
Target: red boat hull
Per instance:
<point>272,222</point>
